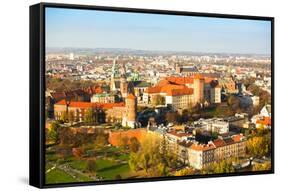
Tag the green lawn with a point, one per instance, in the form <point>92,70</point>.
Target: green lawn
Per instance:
<point>58,176</point>
<point>78,164</point>
<point>108,169</point>
<point>110,173</point>
<point>109,165</point>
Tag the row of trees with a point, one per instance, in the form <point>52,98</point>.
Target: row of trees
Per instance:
<point>132,143</point>
<point>58,134</point>
<point>224,166</point>
<point>58,84</point>
<point>91,116</point>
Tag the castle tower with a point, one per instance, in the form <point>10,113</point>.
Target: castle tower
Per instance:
<point>129,118</point>
<point>123,86</point>
<point>198,86</point>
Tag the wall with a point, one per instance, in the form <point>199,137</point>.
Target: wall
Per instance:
<point>14,65</point>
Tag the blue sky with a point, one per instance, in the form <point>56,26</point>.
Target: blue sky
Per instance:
<point>102,29</point>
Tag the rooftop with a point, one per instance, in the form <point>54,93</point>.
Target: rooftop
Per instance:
<point>85,105</point>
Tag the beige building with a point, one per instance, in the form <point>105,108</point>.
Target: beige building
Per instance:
<point>124,113</point>
<point>184,92</point>
<point>232,147</point>
<point>201,155</point>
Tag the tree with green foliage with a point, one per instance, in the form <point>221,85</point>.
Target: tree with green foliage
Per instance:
<point>184,172</point>
<point>53,132</point>
<point>259,146</point>
<point>88,117</point>
<point>224,166</point>
<point>234,103</point>
<point>133,161</point>
<point>160,100</point>
<point>149,158</point>
<point>64,116</point>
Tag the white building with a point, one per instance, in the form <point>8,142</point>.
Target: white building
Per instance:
<point>103,98</point>
<point>215,95</point>
<point>216,125</point>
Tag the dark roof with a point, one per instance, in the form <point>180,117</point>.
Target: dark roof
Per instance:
<point>189,69</point>
<point>228,141</point>
<point>141,84</point>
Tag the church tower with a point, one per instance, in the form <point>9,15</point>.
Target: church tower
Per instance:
<point>129,118</point>
<point>123,82</point>
<point>113,76</point>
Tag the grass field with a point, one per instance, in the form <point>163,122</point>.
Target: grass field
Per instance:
<point>58,176</point>
<point>112,162</point>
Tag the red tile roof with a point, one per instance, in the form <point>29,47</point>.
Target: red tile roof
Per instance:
<point>264,121</point>
<point>91,105</point>
<point>204,147</point>
<point>180,134</point>
<point>171,90</point>
<point>219,143</point>
<point>237,138</point>
<point>180,80</point>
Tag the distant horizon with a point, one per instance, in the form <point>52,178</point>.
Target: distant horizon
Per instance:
<point>94,29</point>
<point>169,51</point>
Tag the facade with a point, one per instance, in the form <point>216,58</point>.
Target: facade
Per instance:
<point>215,94</point>
<point>187,70</point>
<point>124,113</point>
<point>79,109</point>
<point>231,147</point>
<point>201,155</point>
<point>139,88</point>
<point>263,119</point>
<point>103,98</point>
<point>175,91</point>
<point>214,125</point>
<point>238,120</point>
<point>184,92</point>
<point>212,91</point>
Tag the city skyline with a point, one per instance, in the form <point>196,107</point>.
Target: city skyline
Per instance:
<point>96,29</point>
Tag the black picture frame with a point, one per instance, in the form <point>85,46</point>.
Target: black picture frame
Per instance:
<point>37,96</point>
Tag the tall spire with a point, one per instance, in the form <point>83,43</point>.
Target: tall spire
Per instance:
<point>113,70</point>
<point>113,76</point>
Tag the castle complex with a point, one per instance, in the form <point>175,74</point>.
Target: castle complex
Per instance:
<point>184,92</point>
<point>105,105</point>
